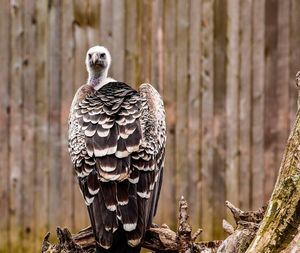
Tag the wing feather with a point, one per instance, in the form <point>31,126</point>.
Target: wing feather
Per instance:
<point>117,141</point>
<point>109,192</point>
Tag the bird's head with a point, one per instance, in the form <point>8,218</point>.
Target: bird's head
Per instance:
<point>97,60</point>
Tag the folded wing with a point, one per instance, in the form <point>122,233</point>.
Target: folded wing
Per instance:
<point>116,141</point>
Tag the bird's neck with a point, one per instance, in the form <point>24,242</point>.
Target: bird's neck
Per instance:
<point>96,80</point>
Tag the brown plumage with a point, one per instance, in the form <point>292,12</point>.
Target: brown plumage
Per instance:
<point>117,142</point>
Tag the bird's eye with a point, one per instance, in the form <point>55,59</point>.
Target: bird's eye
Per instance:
<point>90,56</point>
<point>102,55</point>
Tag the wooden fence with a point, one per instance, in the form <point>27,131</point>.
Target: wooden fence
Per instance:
<point>225,69</point>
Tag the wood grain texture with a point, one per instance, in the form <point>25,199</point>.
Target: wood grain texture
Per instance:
<point>258,82</point>
<point>94,20</point>
<point>54,114</point>
<point>81,46</point>
<point>67,91</point>
<point>207,75</point>
<point>29,109</point>
<point>131,48</point>
<point>118,43</point>
<point>219,117</point>
<point>194,111</point>
<point>106,18</point>
<point>145,35</point>
<point>232,101</point>
<point>283,73</point>
<point>160,49</point>
<point>16,161</point>
<point>182,83</point>
<point>245,104</point>
<point>157,65</point>
<point>167,202</point>
<point>4,126</point>
<point>226,71</point>
<point>271,100</point>
<point>42,123</point>
<point>294,56</point>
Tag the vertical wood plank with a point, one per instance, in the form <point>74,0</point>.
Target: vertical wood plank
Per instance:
<point>106,23</point>
<point>42,123</point>
<point>93,19</point>
<point>157,46</point>
<point>81,41</point>
<point>245,104</point>
<point>283,75</point>
<point>271,159</point>
<point>167,210</point>
<point>207,74</point>
<point>131,8</point>
<point>219,117</point>
<point>67,93</point>
<point>294,57</point>
<point>54,114</point>
<point>232,103</point>
<point>16,122</point>
<point>106,27</point>
<point>118,42</point>
<point>258,69</point>
<point>29,106</point>
<point>144,40</point>
<point>139,67</point>
<point>4,125</point>
<point>194,111</point>
<point>88,18</point>
<point>80,77</point>
<point>182,82</point>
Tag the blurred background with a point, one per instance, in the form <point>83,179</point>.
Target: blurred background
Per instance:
<point>225,69</point>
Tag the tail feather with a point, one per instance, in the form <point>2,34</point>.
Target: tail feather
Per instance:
<point>119,245</point>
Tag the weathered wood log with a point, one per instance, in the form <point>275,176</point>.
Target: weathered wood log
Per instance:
<point>282,219</point>
<point>157,238</point>
<point>66,243</point>
<point>240,238</point>
<point>163,239</point>
<point>294,245</point>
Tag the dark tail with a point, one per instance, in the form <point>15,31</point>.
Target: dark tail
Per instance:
<point>119,249</point>
<point>119,244</point>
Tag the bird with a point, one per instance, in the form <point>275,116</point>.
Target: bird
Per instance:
<point>116,141</point>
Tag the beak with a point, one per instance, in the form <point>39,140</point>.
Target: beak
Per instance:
<point>94,58</point>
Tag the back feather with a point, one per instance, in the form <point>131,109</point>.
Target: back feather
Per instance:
<point>116,141</point>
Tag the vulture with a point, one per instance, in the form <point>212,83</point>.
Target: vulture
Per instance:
<point>117,139</point>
